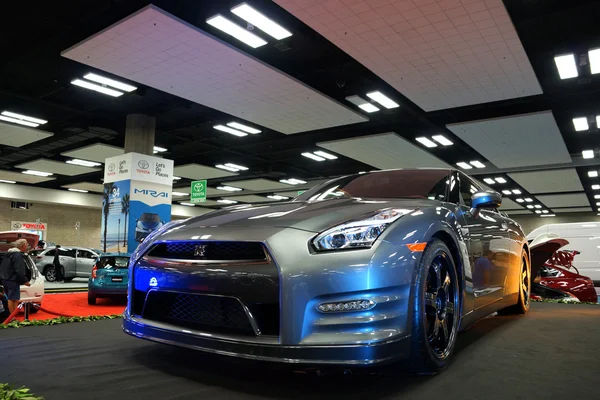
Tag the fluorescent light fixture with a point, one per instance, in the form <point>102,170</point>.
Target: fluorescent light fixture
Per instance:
<point>241,34</point>
<point>267,25</point>
<point>567,68</point>
<point>78,190</point>
<point>592,174</point>
<point>594,60</point>
<point>538,211</point>
<point>109,82</point>
<point>24,117</point>
<point>232,131</point>
<point>489,181</point>
<point>277,197</point>
<point>292,181</point>
<point>176,178</point>
<point>520,201</point>
<point>225,201</point>
<point>362,104</point>
<point>37,173</point>
<point>545,211</point>
<point>548,215</point>
<point>382,99</point>
<point>598,121</point>
<point>442,140</point>
<point>581,124</point>
<point>226,168</point>
<point>477,164</point>
<point>325,155</point>
<point>97,88</point>
<point>597,196</point>
<point>239,167</point>
<point>529,200</point>
<point>83,163</point>
<point>158,149</point>
<point>247,129</point>
<point>179,194</point>
<point>18,121</point>
<point>516,191</point>
<point>595,187</point>
<point>464,165</point>
<point>313,156</point>
<point>500,180</point>
<point>187,204</point>
<point>530,206</point>
<point>506,192</point>
<point>229,188</point>
<point>5,181</point>
<point>425,142</point>
<point>537,206</point>
<point>587,154</point>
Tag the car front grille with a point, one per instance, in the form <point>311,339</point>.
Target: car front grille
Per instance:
<point>209,251</point>
<point>208,313</point>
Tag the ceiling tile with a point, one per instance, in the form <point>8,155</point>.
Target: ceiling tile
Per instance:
<point>455,57</point>
<point>91,187</point>
<point>156,49</point>
<point>552,181</point>
<point>57,167</point>
<point>572,210</point>
<point>508,142</point>
<point>519,212</point>
<point>98,152</point>
<point>200,172</point>
<point>18,177</point>
<point>17,136</point>
<point>564,200</point>
<point>508,204</point>
<point>251,199</point>
<point>384,151</point>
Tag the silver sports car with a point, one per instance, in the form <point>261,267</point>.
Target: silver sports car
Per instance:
<point>362,270</point>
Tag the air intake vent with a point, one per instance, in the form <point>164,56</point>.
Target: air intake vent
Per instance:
<point>210,251</point>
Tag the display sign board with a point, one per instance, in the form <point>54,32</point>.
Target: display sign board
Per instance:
<point>198,192</point>
<point>36,227</point>
<point>138,167</point>
<point>300,192</point>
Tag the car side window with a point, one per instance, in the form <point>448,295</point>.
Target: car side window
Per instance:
<point>467,189</point>
<point>51,253</point>
<point>67,253</point>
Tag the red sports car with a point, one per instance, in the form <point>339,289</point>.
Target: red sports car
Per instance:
<point>557,276</point>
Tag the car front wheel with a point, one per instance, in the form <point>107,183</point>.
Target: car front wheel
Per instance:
<point>91,299</point>
<point>50,274</point>
<point>436,312</point>
<point>524,279</point>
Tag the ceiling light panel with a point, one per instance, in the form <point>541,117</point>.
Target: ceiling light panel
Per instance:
<point>37,173</point>
<point>258,184</point>
<point>552,181</point>
<point>5,181</point>
<point>426,142</point>
<point>580,124</point>
<point>500,180</point>
<point>18,121</point>
<point>225,201</point>
<point>464,165</point>
<point>158,149</point>
<point>566,66</point>
<point>89,186</point>
<point>23,178</point>
<point>212,73</point>
<point>489,181</point>
<point>98,152</point>
<point>508,204</point>
<point>262,22</point>
<point>594,60</point>
<point>430,51</point>
<point>362,104</point>
<point>197,171</point>
<point>227,168</point>
<point>17,136</point>
<point>292,181</point>
<point>384,151</point>
<point>477,164</point>
<point>96,88</point>
<point>57,167</point>
<point>383,100</point>
<point>244,128</point>
<point>233,29</point>
<point>110,82</point>
<point>593,174</point>
<point>252,199</point>
<point>495,139</point>
<point>325,155</point>
<point>22,117</point>
<point>83,163</point>
<point>442,140</point>
<point>227,188</point>
<point>77,190</point>
<point>587,154</point>
<point>313,156</point>
<point>230,130</point>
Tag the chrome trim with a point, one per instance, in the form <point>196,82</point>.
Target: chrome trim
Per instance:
<point>249,315</point>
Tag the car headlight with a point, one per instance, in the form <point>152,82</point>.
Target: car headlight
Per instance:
<point>357,234</point>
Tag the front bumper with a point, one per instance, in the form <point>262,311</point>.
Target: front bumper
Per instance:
<point>334,355</point>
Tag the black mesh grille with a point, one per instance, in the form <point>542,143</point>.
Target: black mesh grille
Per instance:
<point>207,313</point>
<point>212,251</point>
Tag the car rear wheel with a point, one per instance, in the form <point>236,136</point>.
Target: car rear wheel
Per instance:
<point>436,314</point>
<point>50,273</point>
<point>91,299</point>
<point>523,302</point>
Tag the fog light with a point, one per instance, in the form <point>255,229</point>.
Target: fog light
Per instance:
<point>353,305</point>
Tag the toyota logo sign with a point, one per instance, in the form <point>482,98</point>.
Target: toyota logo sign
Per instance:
<point>111,167</point>
<point>143,164</point>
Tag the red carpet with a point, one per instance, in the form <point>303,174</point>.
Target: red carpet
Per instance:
<point>75,305</point>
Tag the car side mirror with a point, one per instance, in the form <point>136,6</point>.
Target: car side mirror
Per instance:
<point>485,200</point>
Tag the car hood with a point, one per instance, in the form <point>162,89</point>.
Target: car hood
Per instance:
<point>542,248</point>
<point>309,216</point>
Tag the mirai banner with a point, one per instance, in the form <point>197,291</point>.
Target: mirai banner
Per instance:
<point>137,199</point>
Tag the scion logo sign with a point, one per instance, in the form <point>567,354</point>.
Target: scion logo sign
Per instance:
<point>153,193</point>
<point>143,167</point>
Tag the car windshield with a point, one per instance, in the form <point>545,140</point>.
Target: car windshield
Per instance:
<point>113,262</point>
<point>150,218</point>
<point>420,184</point>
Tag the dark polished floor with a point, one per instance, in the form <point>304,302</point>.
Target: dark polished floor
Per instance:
<point>552,353</point>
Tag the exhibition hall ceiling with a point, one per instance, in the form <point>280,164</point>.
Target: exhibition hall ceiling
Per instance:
<point>506,91</point>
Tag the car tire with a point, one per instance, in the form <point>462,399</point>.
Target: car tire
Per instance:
<point>33,310</point>
<point>524,300</point>
<point>436,310</point>
<point>50,273</point>
<point>91,299</point>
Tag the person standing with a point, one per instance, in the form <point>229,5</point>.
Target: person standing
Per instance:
<point>13,273</point>
<point>59,271</point>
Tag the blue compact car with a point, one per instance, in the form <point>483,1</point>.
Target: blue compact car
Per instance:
<point>110,277</point>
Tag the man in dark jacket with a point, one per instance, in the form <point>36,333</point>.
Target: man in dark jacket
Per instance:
<point>59,271</point>
<point>13,273</point>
